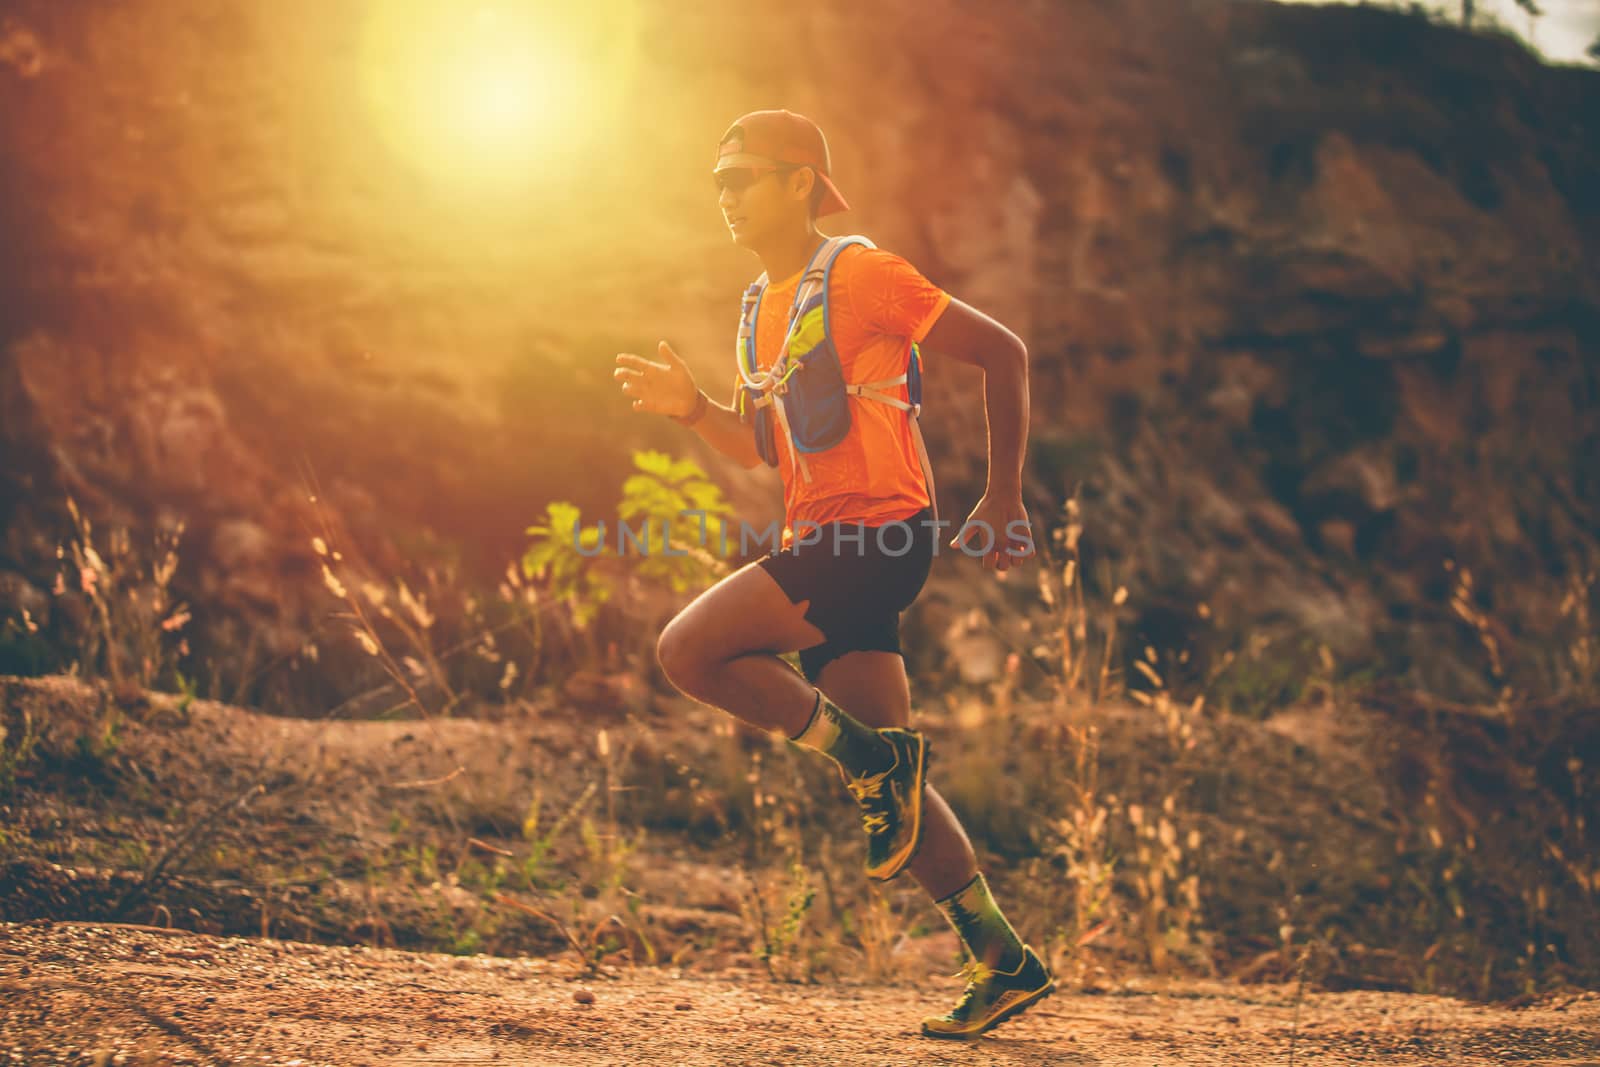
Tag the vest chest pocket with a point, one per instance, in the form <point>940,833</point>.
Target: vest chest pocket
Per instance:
<point>814,398</point>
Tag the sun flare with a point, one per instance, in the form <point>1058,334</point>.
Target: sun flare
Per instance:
<point>492,93</point>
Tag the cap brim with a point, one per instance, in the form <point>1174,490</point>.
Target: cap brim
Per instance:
<point>743,159</point>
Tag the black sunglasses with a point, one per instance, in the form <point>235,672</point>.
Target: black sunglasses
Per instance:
<point>739,179</point>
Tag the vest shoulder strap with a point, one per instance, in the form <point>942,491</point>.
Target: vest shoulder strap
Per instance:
<point>822,274</point>
<point>812,290</point>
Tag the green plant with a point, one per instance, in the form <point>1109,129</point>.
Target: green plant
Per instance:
<point>676,496</point>
<point>1267,676</point>
<point>779,942</point>
<point>606,854</point>
<point>100,745</point>
<point>187,691</point>
<point>485,878</point>
<point>533,867</point>
<point>467,943</point>
<point>670,499</point>
<point>424,862</point>
<point>431,635</point>
<point>561,556</point>
<point>93,748</point>
<point>607,849</point>
<point>135,853</point>
<point>774,909</point>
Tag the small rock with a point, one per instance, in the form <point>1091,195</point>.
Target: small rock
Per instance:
<point>583,996</point>
<point>683,1005</point>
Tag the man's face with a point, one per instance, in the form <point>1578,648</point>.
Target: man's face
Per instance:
<point>758,200</point>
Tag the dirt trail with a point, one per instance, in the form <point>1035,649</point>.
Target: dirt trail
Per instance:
<point>103,994</point>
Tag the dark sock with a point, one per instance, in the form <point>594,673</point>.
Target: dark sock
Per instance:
<point>854,746</point>
<point>981,927</point>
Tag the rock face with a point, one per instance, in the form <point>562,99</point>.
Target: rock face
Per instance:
<point>1311,296</point>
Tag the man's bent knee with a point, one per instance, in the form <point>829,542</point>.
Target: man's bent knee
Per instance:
<point>681,656</point>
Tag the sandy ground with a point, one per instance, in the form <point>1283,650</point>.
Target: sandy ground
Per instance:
<point>104,994</point>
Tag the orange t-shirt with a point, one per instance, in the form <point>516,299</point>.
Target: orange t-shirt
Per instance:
<point>878,305</point>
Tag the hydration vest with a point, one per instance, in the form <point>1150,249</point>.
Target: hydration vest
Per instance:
<point>804,390</point>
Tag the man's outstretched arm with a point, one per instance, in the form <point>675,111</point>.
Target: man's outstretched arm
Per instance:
<point>964,333</point>
<point>668,388</point>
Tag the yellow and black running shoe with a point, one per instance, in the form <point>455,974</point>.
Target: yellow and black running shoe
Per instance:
<point>992,997</point>
<point>891,804</point>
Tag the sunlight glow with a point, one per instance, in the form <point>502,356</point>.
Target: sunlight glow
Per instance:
<point>483,94</point>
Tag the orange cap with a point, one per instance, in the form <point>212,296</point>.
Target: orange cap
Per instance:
<point>780,136</point>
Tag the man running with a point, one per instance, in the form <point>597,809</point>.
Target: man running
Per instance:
<point>863,508</point>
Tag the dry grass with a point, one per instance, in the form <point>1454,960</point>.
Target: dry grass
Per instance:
<point>1106,874</point>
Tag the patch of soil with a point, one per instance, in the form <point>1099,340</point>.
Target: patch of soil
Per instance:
<point>103,994</point>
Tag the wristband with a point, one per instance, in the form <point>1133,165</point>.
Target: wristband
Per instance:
<point>695,413</point>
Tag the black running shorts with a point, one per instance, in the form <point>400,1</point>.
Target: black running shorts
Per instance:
<point>858,579</point>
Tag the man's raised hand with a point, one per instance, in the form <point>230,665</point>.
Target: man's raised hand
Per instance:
<point>665,388</point>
